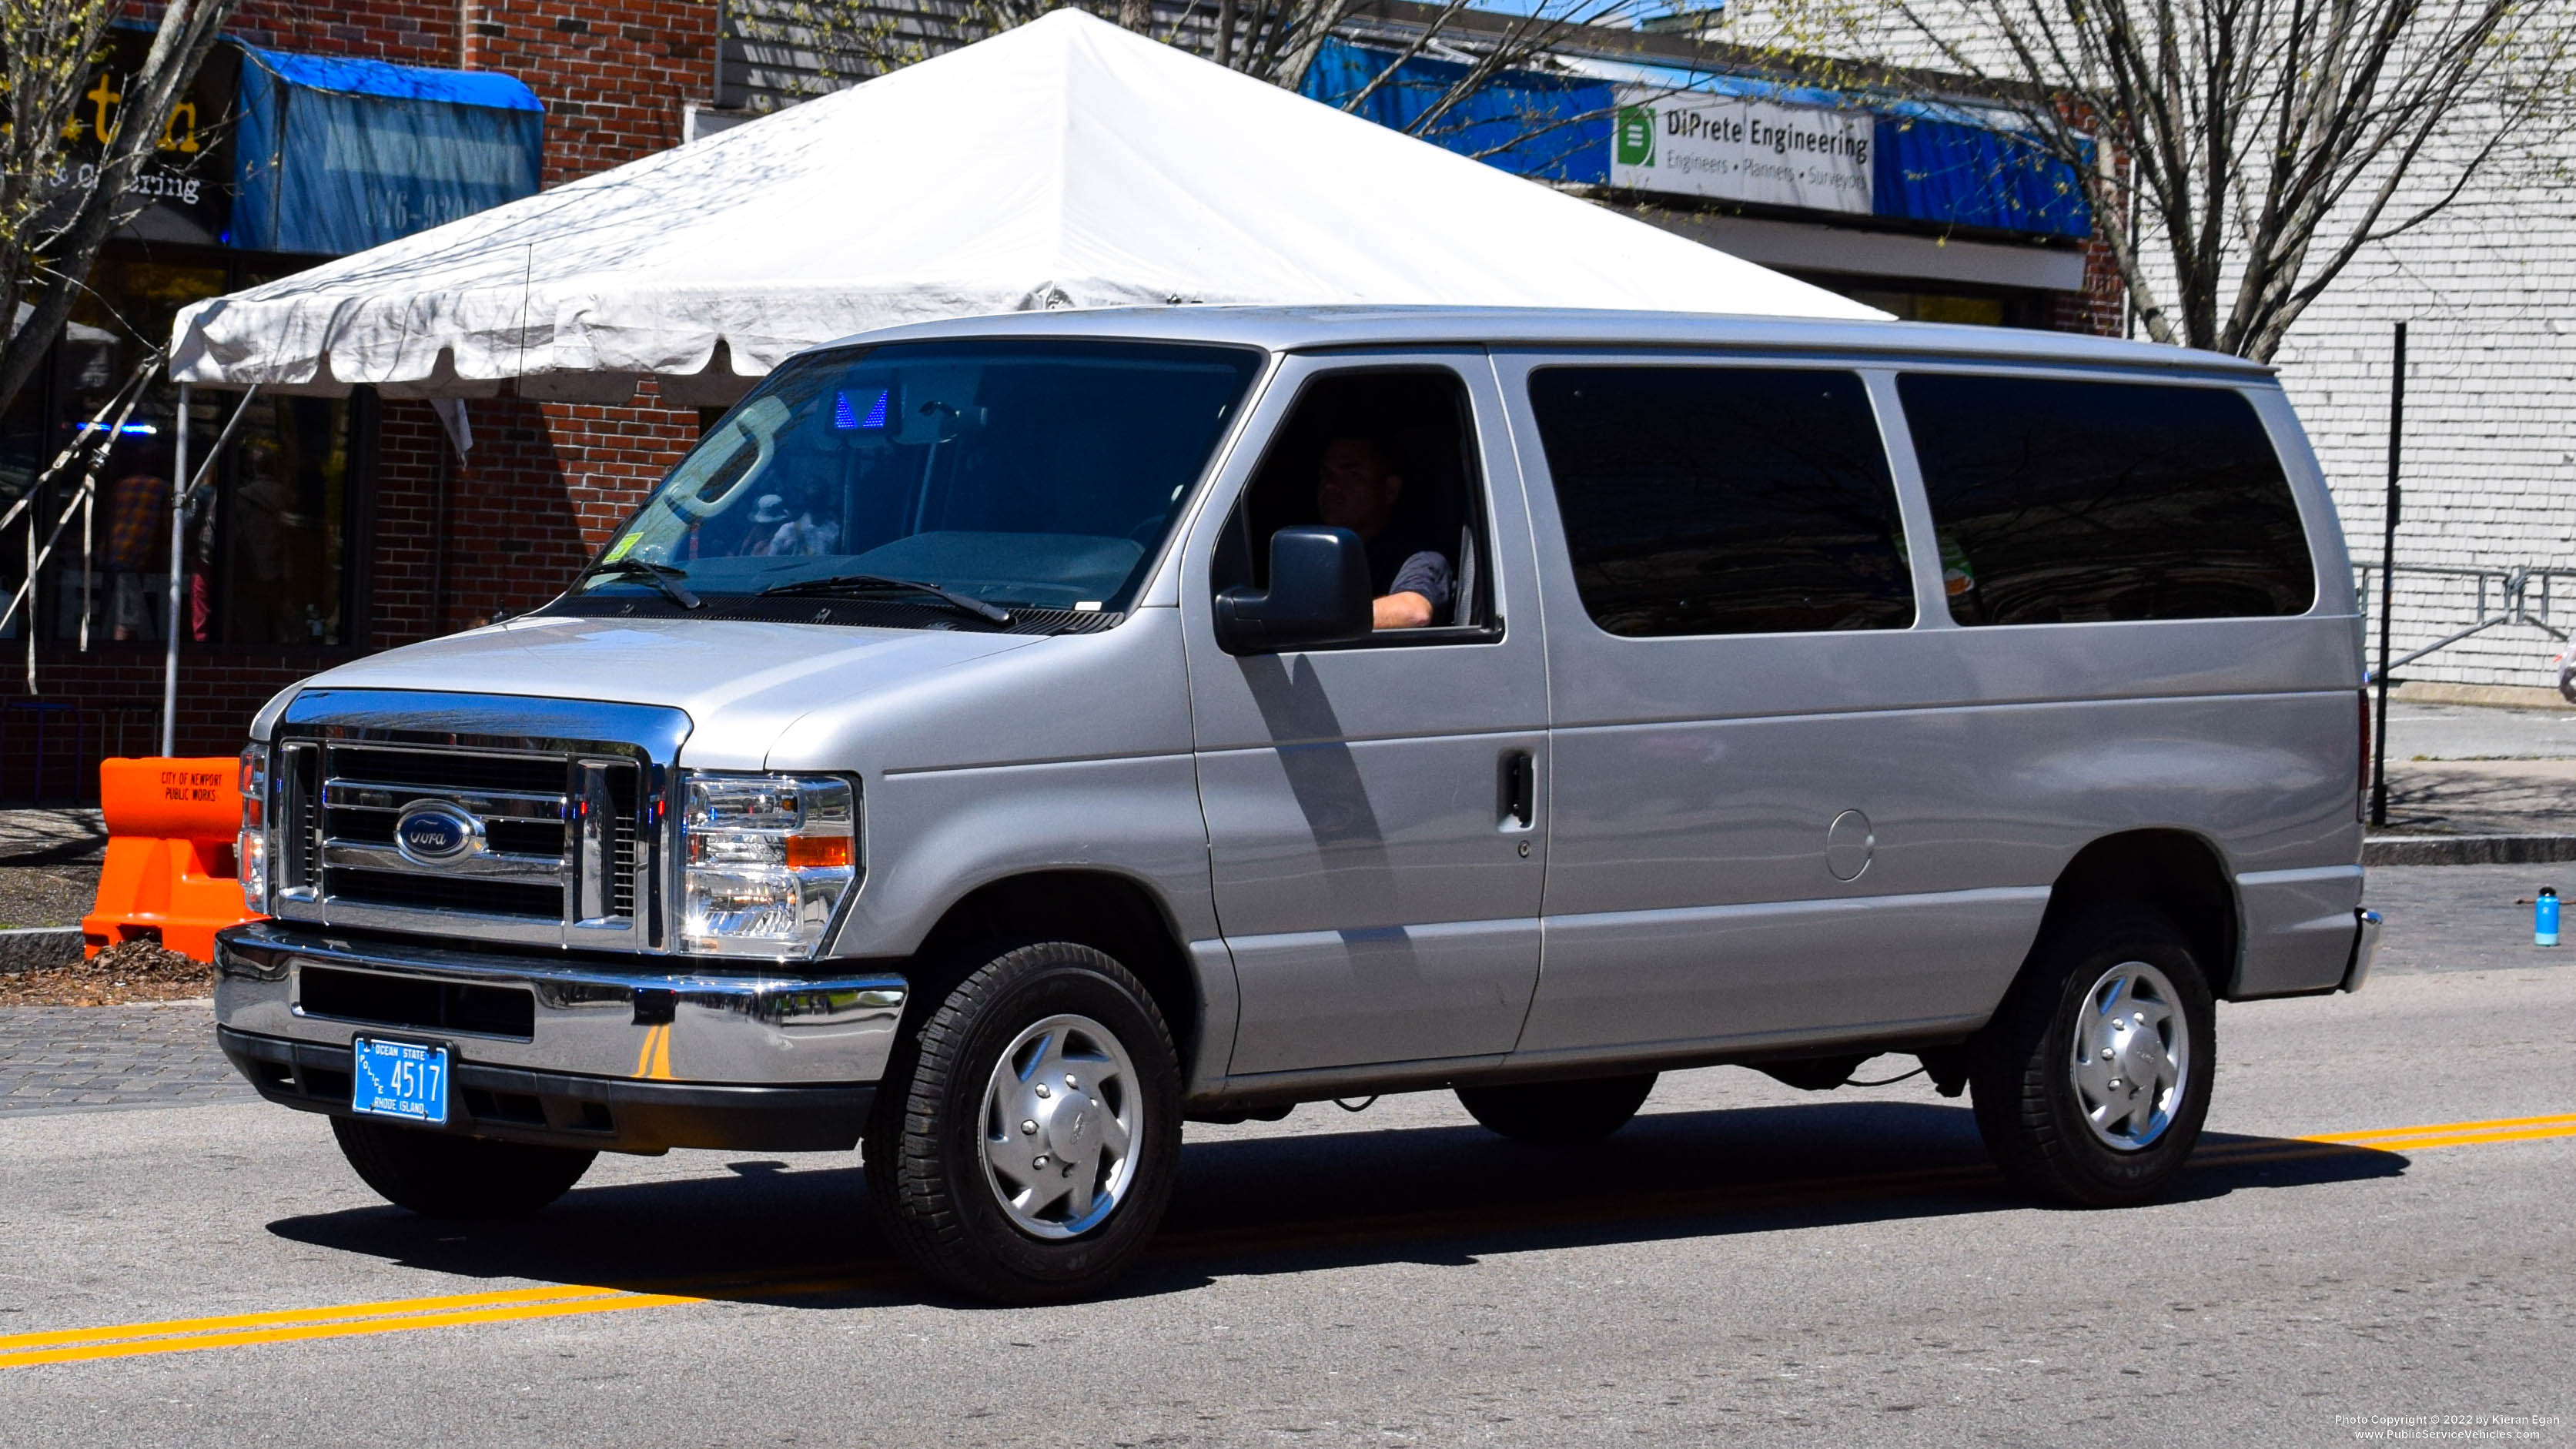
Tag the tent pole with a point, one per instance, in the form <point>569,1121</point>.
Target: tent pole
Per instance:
<point>178,582</point>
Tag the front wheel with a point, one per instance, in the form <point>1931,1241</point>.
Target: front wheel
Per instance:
<point>1032,1152</point>
<point>442,1175</point>
<point>1558,1114</point>
<point>2092,1082</point>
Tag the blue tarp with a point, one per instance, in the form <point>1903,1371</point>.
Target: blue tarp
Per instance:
<point>1973,176</point>
<point>334,155</point>
<point>1933,162</point>
<point>1556,128</point>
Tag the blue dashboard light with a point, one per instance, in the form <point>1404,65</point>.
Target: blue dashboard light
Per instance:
<point>845,414</point>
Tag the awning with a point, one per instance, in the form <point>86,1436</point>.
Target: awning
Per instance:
<point>335,155</point>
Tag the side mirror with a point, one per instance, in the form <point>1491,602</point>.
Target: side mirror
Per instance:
<point>1319,594</point>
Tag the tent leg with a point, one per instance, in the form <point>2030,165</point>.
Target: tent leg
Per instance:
<point>178,582</point>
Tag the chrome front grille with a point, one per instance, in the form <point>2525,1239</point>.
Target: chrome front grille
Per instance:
<point>527,805</point>
<point>558,833</point>
<point>563,845</point>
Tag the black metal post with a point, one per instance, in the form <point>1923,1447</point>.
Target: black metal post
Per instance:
<point>2387,583</point>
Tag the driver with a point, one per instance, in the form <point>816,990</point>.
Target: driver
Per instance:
<point>1356,488</point>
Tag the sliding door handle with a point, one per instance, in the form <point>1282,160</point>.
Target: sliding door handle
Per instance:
<point>1519,789</point>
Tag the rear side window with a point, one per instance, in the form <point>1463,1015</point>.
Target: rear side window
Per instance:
<point>1720,500</point>
<point>2082,502</point>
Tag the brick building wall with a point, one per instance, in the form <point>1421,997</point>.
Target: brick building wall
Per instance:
<point>405,32</point>
<point>2102,308</point>
<point>614,77</point>
<point>544,486</point>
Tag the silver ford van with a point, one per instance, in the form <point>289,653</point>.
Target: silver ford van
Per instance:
<point>1001,741</point>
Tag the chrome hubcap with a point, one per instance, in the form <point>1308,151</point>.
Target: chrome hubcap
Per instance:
<point>2132,1056</point>
<point>1061,1120</point>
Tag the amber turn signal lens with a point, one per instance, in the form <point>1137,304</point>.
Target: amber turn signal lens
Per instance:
<point>810,852</point>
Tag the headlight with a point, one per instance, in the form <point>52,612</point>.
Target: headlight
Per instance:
<point>765,860</point>
<point>250,852</point>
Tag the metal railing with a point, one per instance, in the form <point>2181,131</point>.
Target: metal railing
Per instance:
<point>2506,595</point>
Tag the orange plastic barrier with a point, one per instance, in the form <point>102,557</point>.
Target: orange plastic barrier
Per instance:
<point>170,875</point>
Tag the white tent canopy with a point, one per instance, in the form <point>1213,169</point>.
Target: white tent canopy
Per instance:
<point>1067,163</point>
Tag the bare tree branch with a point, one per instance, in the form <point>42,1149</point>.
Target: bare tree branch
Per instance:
<point>56,208</point>
<point>2267,142</point>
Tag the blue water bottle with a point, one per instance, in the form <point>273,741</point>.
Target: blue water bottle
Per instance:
<point>2544,918</point>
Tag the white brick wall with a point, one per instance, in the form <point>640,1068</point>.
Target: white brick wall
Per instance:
<point>2488,290</point>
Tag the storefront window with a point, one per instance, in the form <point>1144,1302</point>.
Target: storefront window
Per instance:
<point>272,542</point>
<point>267,542</point>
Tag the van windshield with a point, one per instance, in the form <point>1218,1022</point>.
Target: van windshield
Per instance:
<point>1021,475</point>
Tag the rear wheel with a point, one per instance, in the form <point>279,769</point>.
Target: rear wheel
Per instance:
<point>2092,1082</point>
<point>1558,1114</point>
<point>442,1175</point>
<point>1030,1155</point>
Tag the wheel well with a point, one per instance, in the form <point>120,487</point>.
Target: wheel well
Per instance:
<point>2174,873</point>
<point>1109,913</point>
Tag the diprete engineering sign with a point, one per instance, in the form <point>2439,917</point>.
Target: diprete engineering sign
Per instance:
<point>1813,157</point>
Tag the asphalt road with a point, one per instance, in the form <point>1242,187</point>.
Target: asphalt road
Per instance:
<point>1745,1264</point>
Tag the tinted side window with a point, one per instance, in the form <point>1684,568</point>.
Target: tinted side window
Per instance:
<point>1390,454</point>
<point>2074,502</point>
<point>1719,500</point>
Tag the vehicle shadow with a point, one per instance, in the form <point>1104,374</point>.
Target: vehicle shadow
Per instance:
<point>1311,1201</point>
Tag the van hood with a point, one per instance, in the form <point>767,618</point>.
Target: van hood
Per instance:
<point>740,682</point>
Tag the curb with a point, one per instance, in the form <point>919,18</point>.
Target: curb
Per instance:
<point>2467,849</point>
<point>25,948</point>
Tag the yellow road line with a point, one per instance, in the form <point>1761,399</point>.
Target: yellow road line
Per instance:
<point>296,1315</point>
<point>613,1303</point>
<point>515,1305</point>
<point>2462,1139</point>
<point>2563,1120</point>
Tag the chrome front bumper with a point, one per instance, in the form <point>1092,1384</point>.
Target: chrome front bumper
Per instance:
<point>2365,948</point>
<point>578,1017</point>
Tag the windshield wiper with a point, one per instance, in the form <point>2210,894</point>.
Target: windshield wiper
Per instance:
<point>660,576</point>
<point>870,583</point>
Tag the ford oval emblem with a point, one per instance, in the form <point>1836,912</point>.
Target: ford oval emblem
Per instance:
<point>436,833</point>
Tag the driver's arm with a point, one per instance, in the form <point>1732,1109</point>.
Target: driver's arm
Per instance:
<point>1420,590</point>
<point>1406,610</point>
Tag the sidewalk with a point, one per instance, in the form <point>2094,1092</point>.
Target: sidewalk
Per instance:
<point>49,863</point>
<point>51,835</point>
<point>2473,784</point>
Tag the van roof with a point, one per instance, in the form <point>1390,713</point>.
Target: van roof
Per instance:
<point>1303,329</point>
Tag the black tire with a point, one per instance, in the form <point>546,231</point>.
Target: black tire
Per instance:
<point>2029,1109</point>
<point>443,1175</point>
<point>1558,1114</point>
<point>925,1157</point>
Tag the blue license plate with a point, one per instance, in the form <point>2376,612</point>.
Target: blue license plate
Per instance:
<point>399,1079</point>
